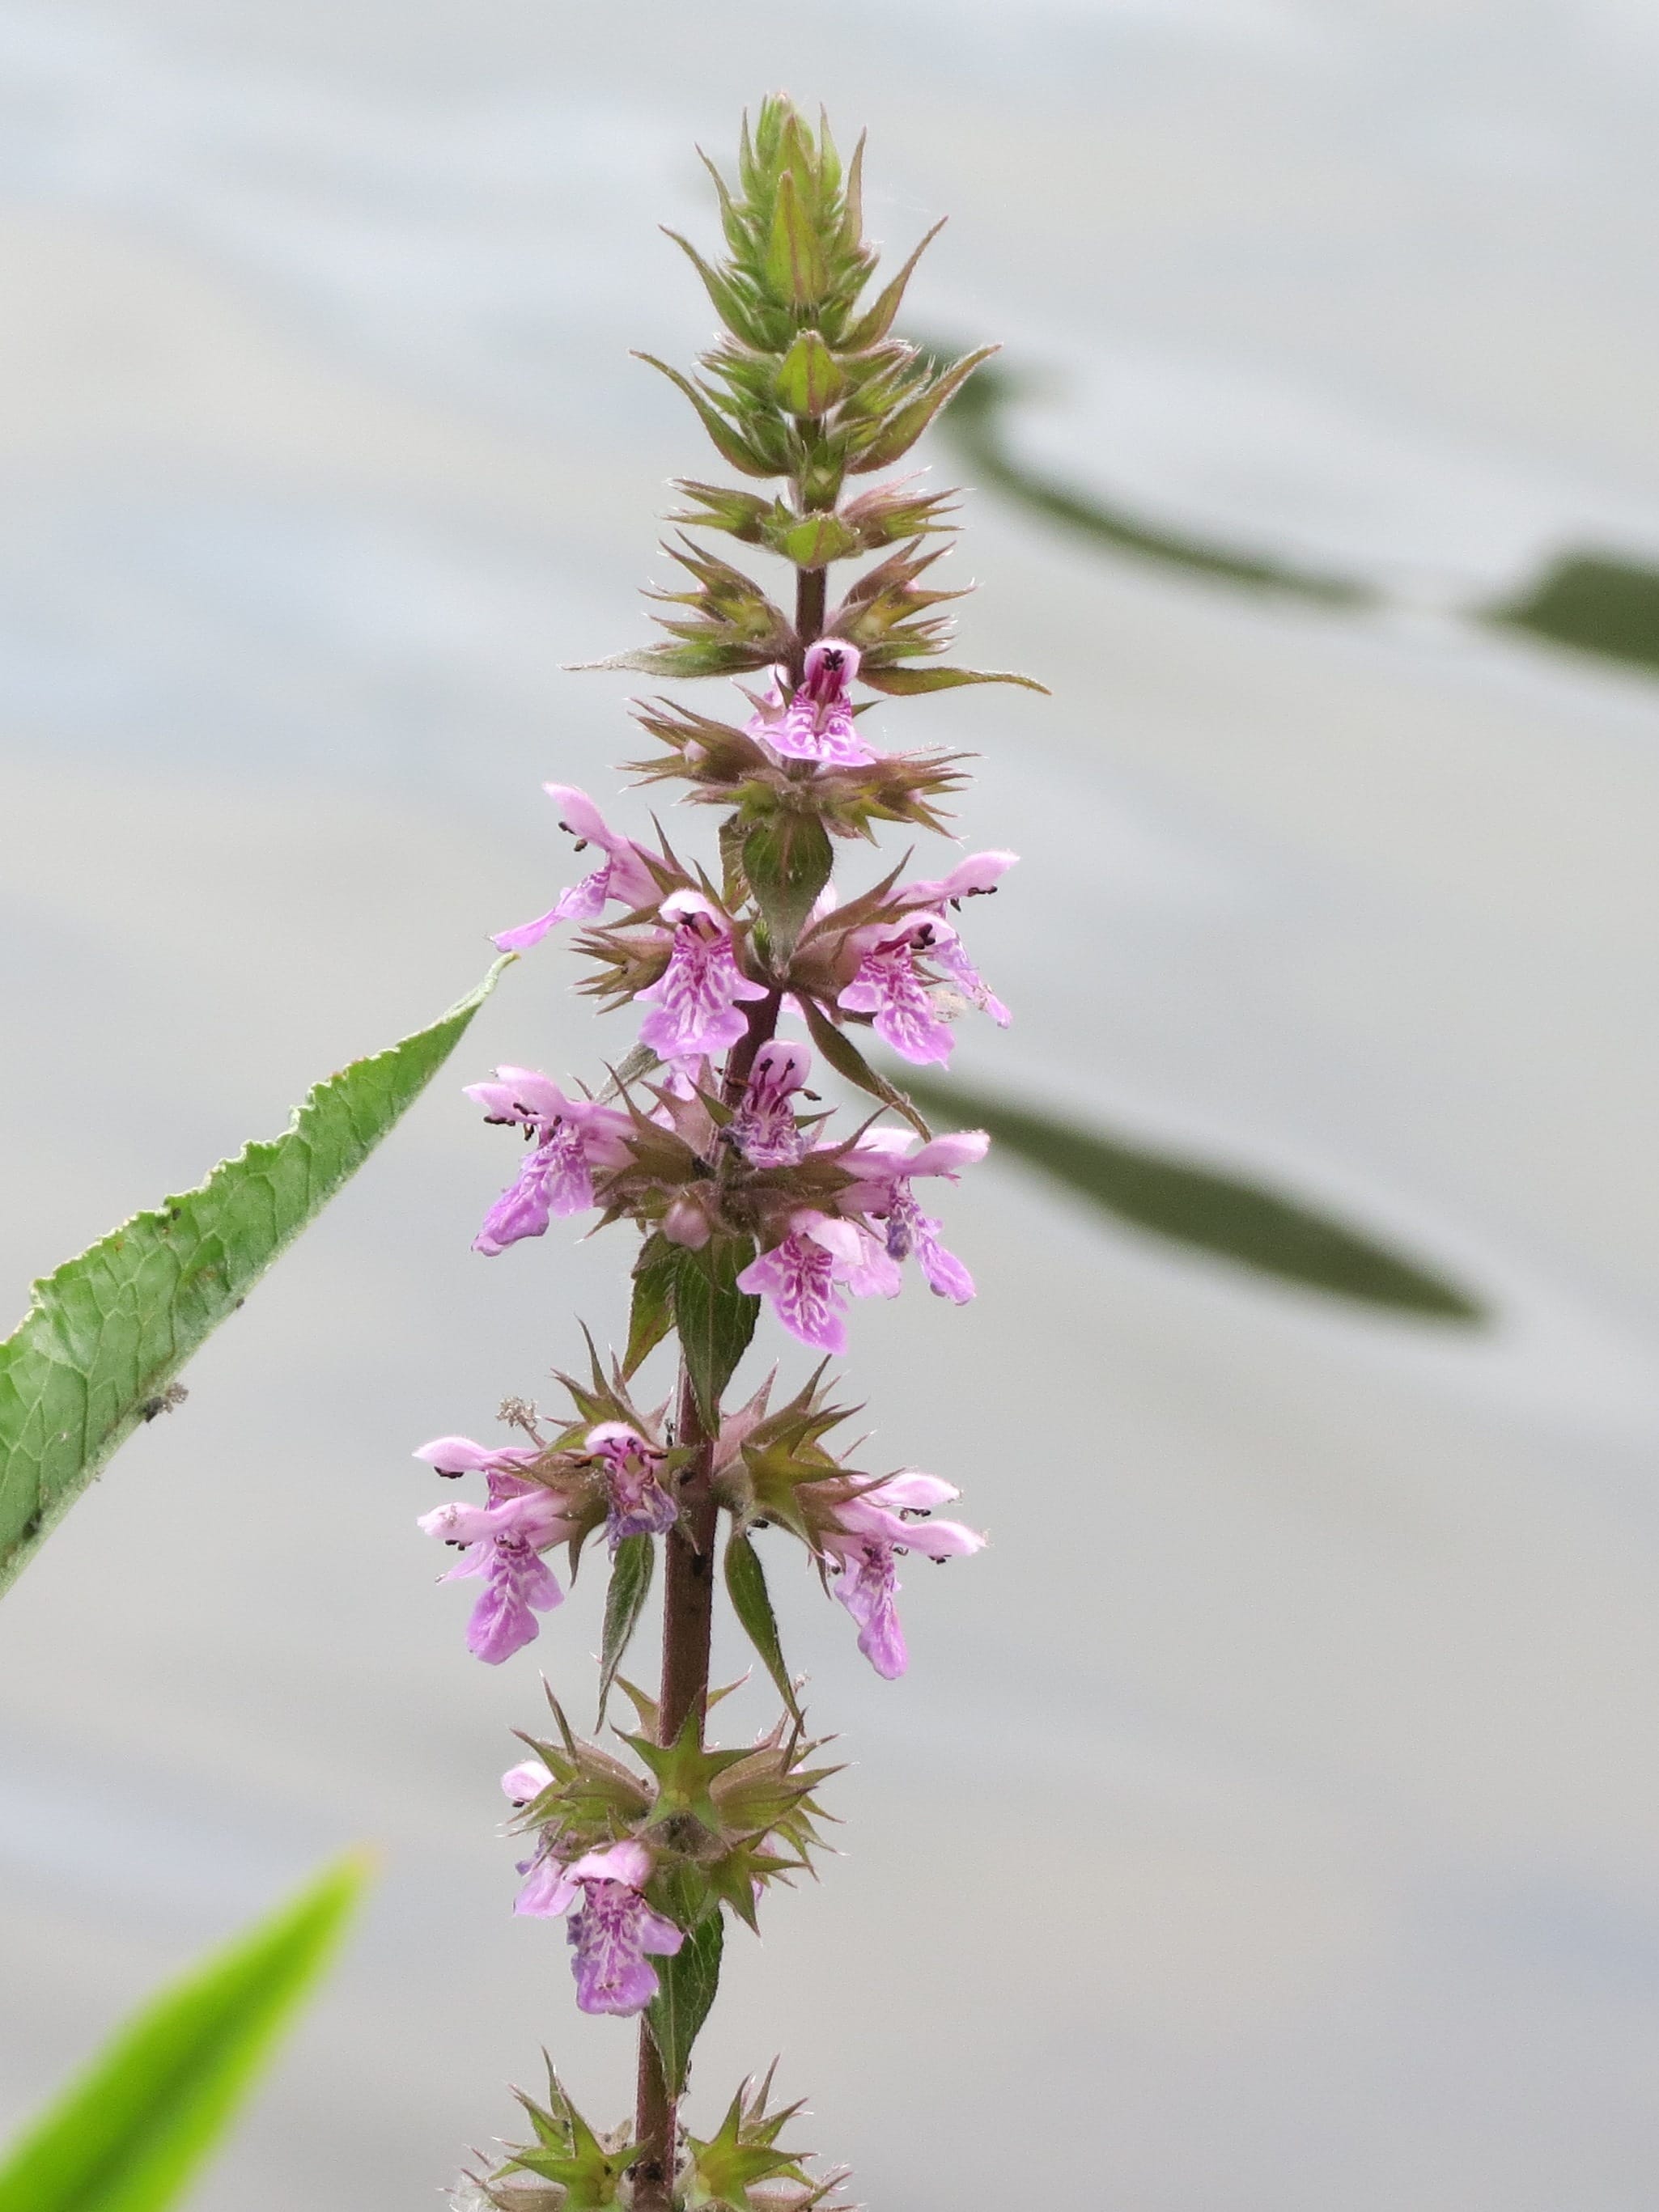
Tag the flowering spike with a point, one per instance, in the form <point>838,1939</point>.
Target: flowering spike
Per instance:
<point>743,1190</point>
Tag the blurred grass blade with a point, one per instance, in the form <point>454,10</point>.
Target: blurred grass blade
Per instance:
<point>1248,1222</point>
<point>105,1336</point>
<point>130,2133</point>
<point>973,423</point>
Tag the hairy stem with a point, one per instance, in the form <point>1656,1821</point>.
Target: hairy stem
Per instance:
<point>811,587</point>
<point>763,1027</point>
<point>654,2127</point>
<point>688,1619</point>
<point>687,1628</point>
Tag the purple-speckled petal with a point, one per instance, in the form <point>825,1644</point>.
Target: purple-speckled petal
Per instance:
<point>797,1278</point>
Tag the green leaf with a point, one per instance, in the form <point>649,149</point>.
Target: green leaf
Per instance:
<point>652,1315</point>
<point>745,1582</point>
<point>1248,1222</point>
<point>787,859</point>
<point>974,424</point>
<point>905,682</point>
<point>624,1602</point>
<point>844,1056</point>
<point>715,1319</point>
<point>689,1980</point>
<point>104,1337</point>
<point>129,2134</point>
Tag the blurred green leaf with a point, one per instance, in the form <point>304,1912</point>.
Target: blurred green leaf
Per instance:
<point>844,1056</point>
<point>974,424</point>
<point>129,2134</point>
<point>1594,602</point>
<point>1603,603</point>
<point>105,1336</point>
<point>1248,1222</point>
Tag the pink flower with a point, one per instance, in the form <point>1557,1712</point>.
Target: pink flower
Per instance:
<point>637,1505</point>
<point>816,724</point>
<point>882,1193</point>
<point>764,1128</point>
<point>612,1930</point>
<point>502,1543</point>
<point>622,875</point>
<point>889,1518</point>
<point>573,1137</point>
<point>808,1274</point>
<point>888,985</point>
<point>524,1782</point>
<point>804,1276</point>
<point>695,999</point>
<point>980,873</point>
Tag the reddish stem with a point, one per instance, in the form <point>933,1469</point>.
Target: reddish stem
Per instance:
<point>688,1618</point>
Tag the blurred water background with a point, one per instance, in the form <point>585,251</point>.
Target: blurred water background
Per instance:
<point>1269,1821</point>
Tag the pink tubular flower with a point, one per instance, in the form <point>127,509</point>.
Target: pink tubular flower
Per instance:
<point>817,723</point>
<point>622,875</point>
<point>804,1276</point>
<point>503,1543</point>
<point>979,873</point>
<point>764,1128</point>
<point>524,1782</point>
<point>573,1137</point>
<point>612,1930</point>
<point>882,1193</point>
<point>887,987</point>
<point>636,1502</point>
<point>887,984</point>
<point>889,1518</point>
<point>695,999</point>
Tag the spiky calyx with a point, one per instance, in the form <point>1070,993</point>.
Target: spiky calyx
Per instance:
<point>806,382</point>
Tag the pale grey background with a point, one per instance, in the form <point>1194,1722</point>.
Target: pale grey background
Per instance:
<point>1270,1822</point>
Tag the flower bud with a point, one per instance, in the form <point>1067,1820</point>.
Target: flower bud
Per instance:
<point>687,1222</point>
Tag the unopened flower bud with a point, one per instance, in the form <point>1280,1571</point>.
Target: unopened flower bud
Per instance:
<point>687,1222</point>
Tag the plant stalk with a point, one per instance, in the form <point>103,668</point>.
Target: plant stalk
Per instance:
<point>687,1628</point>
<point>812,590</point>
<point>688,1619</point>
